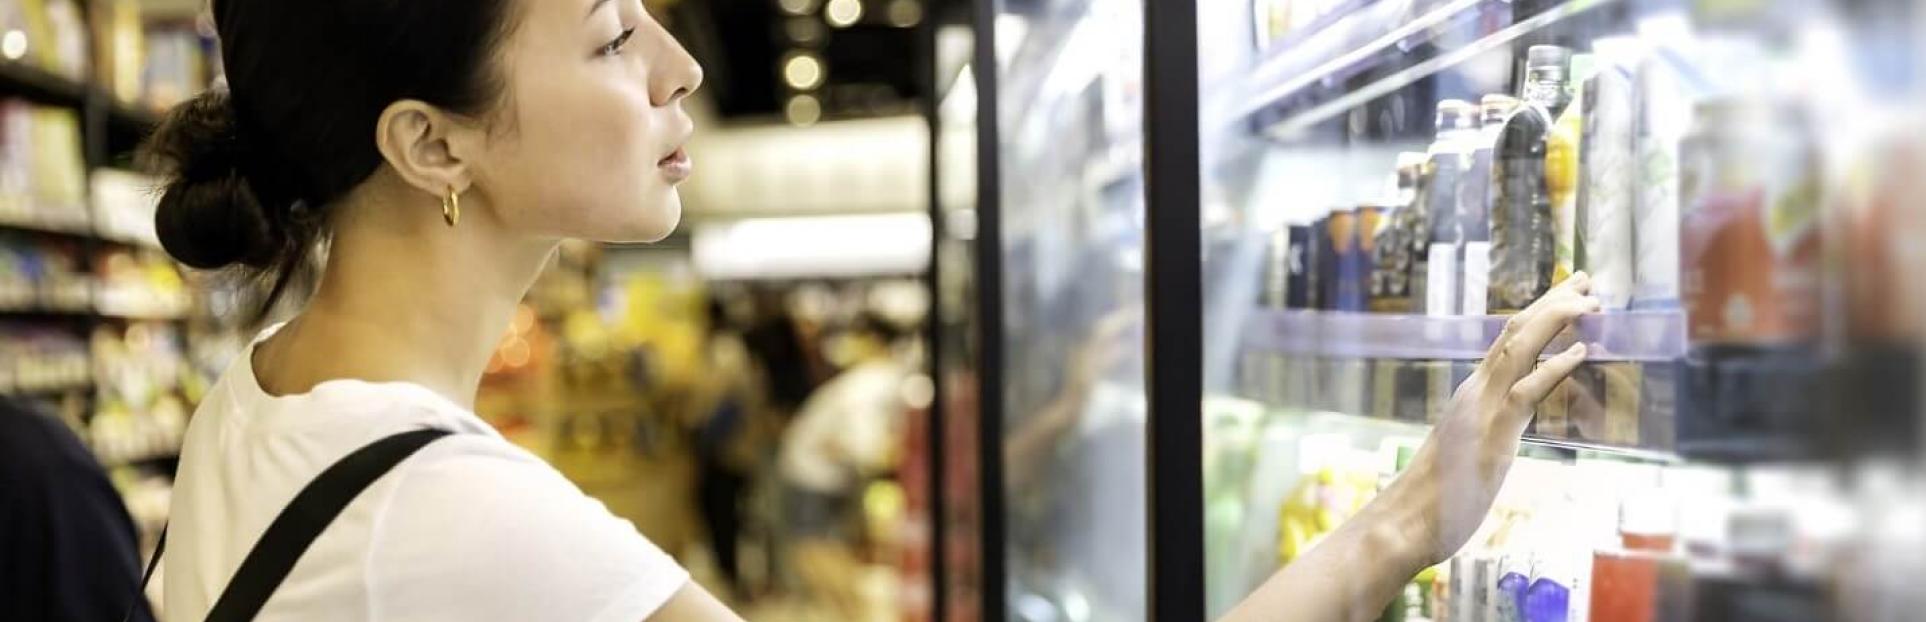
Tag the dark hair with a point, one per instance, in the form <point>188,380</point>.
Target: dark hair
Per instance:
<point>253,168</point>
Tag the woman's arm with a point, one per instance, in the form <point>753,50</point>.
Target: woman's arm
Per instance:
<point>1428,513</point>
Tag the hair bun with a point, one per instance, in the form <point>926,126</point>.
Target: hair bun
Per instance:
<point>210,216</point>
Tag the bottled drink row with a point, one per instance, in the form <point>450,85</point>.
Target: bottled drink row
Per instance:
<point>1618,161</point>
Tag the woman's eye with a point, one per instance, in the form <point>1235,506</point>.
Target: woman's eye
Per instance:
<point>613,48</point>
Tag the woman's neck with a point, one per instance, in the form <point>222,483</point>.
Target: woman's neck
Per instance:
<point>405,298</point>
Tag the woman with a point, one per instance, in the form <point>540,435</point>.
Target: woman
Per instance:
<point>441,149</point>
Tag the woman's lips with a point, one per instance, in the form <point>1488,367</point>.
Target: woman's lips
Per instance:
<point>677,166</point>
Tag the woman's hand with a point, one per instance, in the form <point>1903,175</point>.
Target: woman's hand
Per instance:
<point>1425,516</point>
<point>1447,491</point>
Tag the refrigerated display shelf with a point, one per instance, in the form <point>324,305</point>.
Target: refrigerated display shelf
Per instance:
<point>1619,408</point>
<point>1345,46</point>
<point>1641,336</point>
<point>1295,117</point>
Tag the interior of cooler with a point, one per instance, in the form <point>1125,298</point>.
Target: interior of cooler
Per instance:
<point>1724,191</point>
<point>1573,535</point>
<point>1397,176</point>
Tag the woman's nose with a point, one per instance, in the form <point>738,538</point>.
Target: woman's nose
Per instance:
<point>678,73</point>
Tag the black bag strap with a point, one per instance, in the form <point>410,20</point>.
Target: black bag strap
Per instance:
<point>302,521</point>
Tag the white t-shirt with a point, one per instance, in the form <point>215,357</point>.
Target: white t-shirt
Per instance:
<point>845,428</point>
<point>470,528</point>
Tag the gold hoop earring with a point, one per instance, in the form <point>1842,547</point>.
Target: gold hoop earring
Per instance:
<point>451,207</point>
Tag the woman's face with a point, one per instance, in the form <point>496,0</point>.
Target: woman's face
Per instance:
<point>589,143</point>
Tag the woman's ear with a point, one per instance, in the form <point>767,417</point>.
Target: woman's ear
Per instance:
<point>416,139</point>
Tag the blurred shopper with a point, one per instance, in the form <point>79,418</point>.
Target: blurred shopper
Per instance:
<point>842,436</point>
<point>726,445</point>
<point>440,150</point>
<point>68,550</point>
<point>788,359</point>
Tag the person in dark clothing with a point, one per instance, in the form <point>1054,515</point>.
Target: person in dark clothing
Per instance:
<point>68,550</point>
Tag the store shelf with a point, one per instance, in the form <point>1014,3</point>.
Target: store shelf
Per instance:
<point>41,85</point>
<point>74,228</point>
<point>1628,336</point>
<point>1298,87</point>
<point>140,306</point>
<point>17,388</point>
<point>18,302</point>
<point>151,310</point>
<point>1623,400</point>
<point>65,227</point>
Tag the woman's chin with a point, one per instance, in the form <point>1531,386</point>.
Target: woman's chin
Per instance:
<point>649,226</point>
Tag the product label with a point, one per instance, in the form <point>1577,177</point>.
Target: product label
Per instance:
<point>1662,116</point>
<point>1476,275</point>
<point>1442,271</point>
<point>1610,171</point>
<point>1749,245</point>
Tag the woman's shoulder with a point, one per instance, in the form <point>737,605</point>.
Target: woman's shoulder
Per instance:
<point>477,520</point>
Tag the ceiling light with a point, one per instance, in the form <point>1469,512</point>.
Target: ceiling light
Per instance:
<point>14,44</point>
<point>804,110</point>
<point>905,13</point>
<point>803,71</point>
<point>844,13</point>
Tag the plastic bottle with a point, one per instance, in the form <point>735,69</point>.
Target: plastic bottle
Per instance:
<point>1562,147</point>
<point>1447,161</point>
<point>1522,235</point>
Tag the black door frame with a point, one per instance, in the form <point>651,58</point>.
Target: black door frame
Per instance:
<point>1173,311</point>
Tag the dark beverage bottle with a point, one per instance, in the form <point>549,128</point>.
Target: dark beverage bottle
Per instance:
<point>1523,242</point>
<point>1394,251</point>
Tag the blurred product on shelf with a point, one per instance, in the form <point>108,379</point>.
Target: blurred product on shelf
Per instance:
<point>42,275</point>
<point>1750,236</point>
<point>141,283</point>
<point>1562,147</point>
<point>49,34</point>
<point>1663,116</point>
<point>140,414</point>
<point>1440,191</point>
<point>1562,176</point>
<point>39,360</point>
<point>1595,537</point>
<point>1607,177</point>
<point>178,63</point>
<point>118,47</point>
<point>124,205</point>
<point>42,170</point>
<point>112,47</point>
<point>1395,249</point>
<point>1523,227</point>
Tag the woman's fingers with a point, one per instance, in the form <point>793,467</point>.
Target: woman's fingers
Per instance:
<point>1527,333</point>
<point>1533,388</point>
